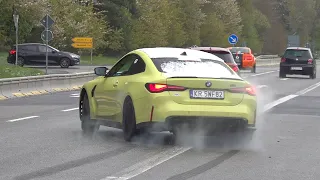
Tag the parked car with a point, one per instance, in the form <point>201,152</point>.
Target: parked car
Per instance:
<point>35,54</point>
<point>244,58</point>
<point>222,53</point>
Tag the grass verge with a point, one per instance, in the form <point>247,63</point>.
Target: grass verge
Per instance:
<point>10,71</point>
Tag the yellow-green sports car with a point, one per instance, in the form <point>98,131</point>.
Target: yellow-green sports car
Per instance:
<point>165,88</point>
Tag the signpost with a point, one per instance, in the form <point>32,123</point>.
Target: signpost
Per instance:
<point>233,39</point>
<point>16,24</point>
<point>83,43</point>
<point>47,35</point>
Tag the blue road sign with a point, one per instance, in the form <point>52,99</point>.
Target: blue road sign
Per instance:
<point>233,39</point>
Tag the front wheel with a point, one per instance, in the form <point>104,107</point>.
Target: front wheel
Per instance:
<point>64,63</point>
<point>129,120</point>
<point>88,126</point>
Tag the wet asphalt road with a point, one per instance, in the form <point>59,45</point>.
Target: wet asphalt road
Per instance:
<point>41,139</point>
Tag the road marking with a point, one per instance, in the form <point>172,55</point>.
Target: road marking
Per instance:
<point>24,118</point>
<point>284,79</point>
<point>263,73</point>
<point>147,164</point>
<point>77,94</point>
<point>72,109</point>
<point>291,96</point>
<point>261,86</point>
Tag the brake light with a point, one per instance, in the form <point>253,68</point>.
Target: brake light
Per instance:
<point>234,67</point>
<point>12,52</point>
<point>309,61</point>
<point>248,90</point>
<point>158,88</point>
<point>283,59</point>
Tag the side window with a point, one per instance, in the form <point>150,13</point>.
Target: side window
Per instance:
<point>123,66</point>
<point>138,66</point>
<point>43,49</point>
<point>31,48</point>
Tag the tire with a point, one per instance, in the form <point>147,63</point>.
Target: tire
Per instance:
<point>254,69</point>
<point>20,62</point>
<point>128,120</point>
<point>88,126</point>
<point>314,74</point>
<point>282,74</point>
<point>64,63</point>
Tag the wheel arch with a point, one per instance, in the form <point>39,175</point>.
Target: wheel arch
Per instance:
<point>86,89</point>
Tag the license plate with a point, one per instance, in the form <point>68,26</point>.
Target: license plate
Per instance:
<point>206,94</point>
<point>296,68</point>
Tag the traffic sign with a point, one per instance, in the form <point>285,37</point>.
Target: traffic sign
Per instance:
<point>82,45</point>
<point>44,21</point>
<point>233,39</point>
<point>82,40</point>
<point>44,35</point>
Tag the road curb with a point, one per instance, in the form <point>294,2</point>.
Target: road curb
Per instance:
<point>40,92</point>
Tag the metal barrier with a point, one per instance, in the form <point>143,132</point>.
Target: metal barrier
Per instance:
<point>35,85</point>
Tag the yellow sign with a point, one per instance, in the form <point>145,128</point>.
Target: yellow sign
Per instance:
<point>82,45</point>
<point>82,40</point>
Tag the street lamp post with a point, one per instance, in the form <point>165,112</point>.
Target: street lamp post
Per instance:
<point>16,24</point>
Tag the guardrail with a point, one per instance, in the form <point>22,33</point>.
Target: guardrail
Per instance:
<point>34,85</point>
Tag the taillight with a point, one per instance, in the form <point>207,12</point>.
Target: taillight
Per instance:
<point>283,59</point>
<point>157,88</point>
<point>235,68</point>
<point>12,52</point>
<point>248,90</point>
<point>309,61</point>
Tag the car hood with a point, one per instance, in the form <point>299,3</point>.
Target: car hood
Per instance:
<point>71,54</point>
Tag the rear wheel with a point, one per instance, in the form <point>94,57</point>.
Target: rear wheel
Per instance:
<point>88,126</point>
<point>128,120</point>
<point>314,73</point>
<point>282,74</point>
<point>20,62</point>
<point>253,70</point>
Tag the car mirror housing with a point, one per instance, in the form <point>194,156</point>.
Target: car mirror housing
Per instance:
<point>100,71</point>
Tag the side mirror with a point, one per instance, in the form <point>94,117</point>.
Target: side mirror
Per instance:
<point>100,71</point>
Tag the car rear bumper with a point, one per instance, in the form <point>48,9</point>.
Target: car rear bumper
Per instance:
<point>166,115</point>
<point>292,69</point>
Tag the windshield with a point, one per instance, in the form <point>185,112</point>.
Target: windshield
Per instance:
<point>239,50</point>
<point>293,53</point>
<point>225,56</point>
<point>196,68</point>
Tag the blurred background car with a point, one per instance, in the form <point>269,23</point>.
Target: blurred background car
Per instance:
<point>298,60</point>
<point>244,58</point>
<point>222,53</point>
<point>35,54</point>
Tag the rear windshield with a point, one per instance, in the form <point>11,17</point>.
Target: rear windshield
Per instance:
<point>193,68</point>
<point>295,53</point>
<point>224,55</point>
<point>239,50</point>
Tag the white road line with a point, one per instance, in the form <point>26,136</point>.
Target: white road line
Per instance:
<point>291,96</point>
<point>77,94</point>
<point>261,86</point>
<point>263,73</point>
<point>284,79</point>
<point>147,164</point>
<point>21,119</point>
<point>72,109</point>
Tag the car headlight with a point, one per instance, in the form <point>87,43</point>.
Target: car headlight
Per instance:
<point>75,56</point>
